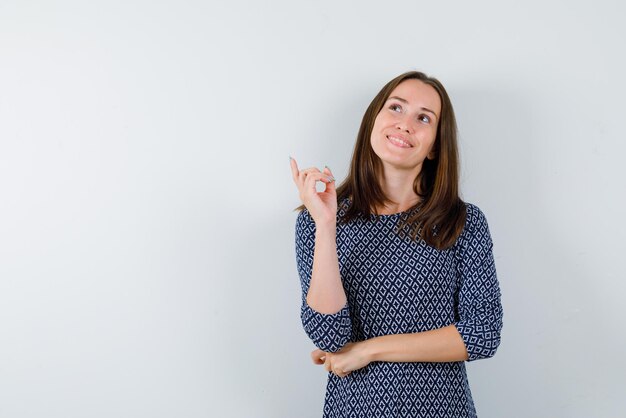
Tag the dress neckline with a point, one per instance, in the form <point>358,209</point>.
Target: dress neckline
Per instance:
<point>393,215</point>
<point>388,215</point>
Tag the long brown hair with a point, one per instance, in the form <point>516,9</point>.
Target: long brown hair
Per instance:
<point>441,215</point>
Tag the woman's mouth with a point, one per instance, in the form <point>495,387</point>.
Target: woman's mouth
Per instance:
<point>399,142</point>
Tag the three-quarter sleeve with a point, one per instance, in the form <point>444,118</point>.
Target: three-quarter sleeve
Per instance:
<point>329,332</point>
<point>480,311</point>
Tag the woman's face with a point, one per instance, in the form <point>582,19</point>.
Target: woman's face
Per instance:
<point>406,127</point>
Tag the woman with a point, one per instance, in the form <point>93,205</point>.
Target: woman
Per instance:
<point>399,284</point>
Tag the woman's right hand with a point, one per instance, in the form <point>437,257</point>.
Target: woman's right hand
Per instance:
<point>321,205</point>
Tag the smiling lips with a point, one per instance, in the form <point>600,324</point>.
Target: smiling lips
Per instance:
<point>399,142</point>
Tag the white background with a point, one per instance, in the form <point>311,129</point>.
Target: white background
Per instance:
<point>147,264</point>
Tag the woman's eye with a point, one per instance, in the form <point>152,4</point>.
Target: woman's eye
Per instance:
<point>395,107</point>
<point>424,119</point>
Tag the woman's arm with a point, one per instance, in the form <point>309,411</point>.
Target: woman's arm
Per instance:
<point>438,345</point>
<point>325,312</point>
<point>326,294</point>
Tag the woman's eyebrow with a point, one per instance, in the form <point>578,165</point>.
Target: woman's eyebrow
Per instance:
<point>404,101</point>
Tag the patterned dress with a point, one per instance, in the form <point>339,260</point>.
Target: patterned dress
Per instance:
<point>397,286</point>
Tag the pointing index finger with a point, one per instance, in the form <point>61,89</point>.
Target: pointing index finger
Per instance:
<point>294,168</point>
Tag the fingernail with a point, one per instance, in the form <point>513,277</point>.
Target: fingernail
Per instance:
<point>328,168</point>
<point>290,158</point>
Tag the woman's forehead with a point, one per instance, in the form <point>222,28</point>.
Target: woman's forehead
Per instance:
<point>418,93</point>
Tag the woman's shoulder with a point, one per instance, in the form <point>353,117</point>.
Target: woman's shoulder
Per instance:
<point>474,215</point>
<point>476,226</point>
<point>304,216</point>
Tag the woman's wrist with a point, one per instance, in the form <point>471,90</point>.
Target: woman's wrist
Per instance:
<point>329,226</point>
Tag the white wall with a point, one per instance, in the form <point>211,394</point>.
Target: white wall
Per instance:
<point>147,261</point>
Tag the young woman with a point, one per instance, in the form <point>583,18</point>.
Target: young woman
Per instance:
<point>398,278</point>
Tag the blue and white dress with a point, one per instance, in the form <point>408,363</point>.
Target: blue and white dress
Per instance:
<point>397,286</point>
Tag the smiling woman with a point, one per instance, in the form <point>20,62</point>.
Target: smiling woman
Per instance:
<point>405,129</point>
<point>398,278</point>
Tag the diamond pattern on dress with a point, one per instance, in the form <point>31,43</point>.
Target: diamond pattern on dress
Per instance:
<point>396,286</point>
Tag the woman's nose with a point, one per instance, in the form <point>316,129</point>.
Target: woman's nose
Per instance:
<point>404,125</point>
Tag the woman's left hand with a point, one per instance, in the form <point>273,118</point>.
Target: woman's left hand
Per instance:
<point>351,357</point>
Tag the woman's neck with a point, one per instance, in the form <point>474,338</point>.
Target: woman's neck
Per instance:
<point>397,185</point>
